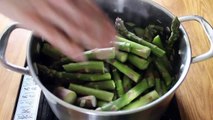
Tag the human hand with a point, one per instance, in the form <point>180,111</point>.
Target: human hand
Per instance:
<point>69,25</point>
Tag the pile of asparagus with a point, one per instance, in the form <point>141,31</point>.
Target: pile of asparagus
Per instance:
<point>133,73</point>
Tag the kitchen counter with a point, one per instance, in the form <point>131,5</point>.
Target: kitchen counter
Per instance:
<point>194,96</point>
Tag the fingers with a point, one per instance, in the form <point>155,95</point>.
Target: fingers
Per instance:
<point>69,25</point>
<point>56,17</point>
<point>89,19</point>
<point>54,37</point>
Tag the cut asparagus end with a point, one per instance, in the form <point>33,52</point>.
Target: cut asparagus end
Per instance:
<point>87,101</point>
<point>121,56</point>
<point>65,94</point>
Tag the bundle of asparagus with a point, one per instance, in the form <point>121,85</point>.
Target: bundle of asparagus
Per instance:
<point>133,73</point>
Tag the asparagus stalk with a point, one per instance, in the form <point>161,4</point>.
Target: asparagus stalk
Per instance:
<point>164,72</point>
<point>100,54</point>
<point>119,24</point>
<point>103,85</point>
<point>174,32</point>
<point>138,62</point>
<point>86,77</point>
<point>136,48</point>
<point>87,101</point>
<point>101,103</point>
<point>65,94</point>
<point>88,67</point>
<point>157,41</point>
<point>123,46</point>
<point>150,77</point>
<point>148,98</point>
<point>164,88</point>
<point>78,76</point>
<point>118,83</point>
<point>125,70</point>
<point>121,56</point>
<point>158,87</point>
<point>94,54</point>
<point>127,83</point>
<point>126,98</point>
<point>100,94</point>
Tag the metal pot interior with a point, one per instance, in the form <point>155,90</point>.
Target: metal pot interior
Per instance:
<point>141,13</point>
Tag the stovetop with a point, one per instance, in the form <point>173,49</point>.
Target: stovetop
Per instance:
<point>32,105</point>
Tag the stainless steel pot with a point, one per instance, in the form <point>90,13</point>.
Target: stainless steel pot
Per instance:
<point>140,12</point>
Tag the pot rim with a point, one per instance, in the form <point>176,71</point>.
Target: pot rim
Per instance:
<point>112,113</point>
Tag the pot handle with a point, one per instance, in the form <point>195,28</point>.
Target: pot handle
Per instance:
<point>3,45</point>
<point>209,32</point>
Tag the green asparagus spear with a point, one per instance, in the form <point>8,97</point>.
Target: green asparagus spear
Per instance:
<point>157,41</point>
<point>100,94</point>
<point>101,103</point>
<point>118,83</point>
<point>87,77</point>
<point>158,87</point>
<point>138,62</point>
<point>100,54</point>
<point>119,24</point>
<point>127,83</point>
<point>65,94</point>
<point>87,101</point>
<point>136,48</point>
<point>94,54</point>
<point>123,46</point>
<point>125,70</point>
<point>174,32</point>
<point>164,72</point>
<point>149,97</point>
<point>121,56</point>
<point>126,98</point>
<point>88,67</point>
<point>164,88</point>
<point>78,76</point>
<point>103,85</point>
<point>150,77</point>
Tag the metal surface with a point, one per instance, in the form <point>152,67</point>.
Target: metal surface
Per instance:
<point>3,46</point>
<point>142,13</point>
<point>209,32</point>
